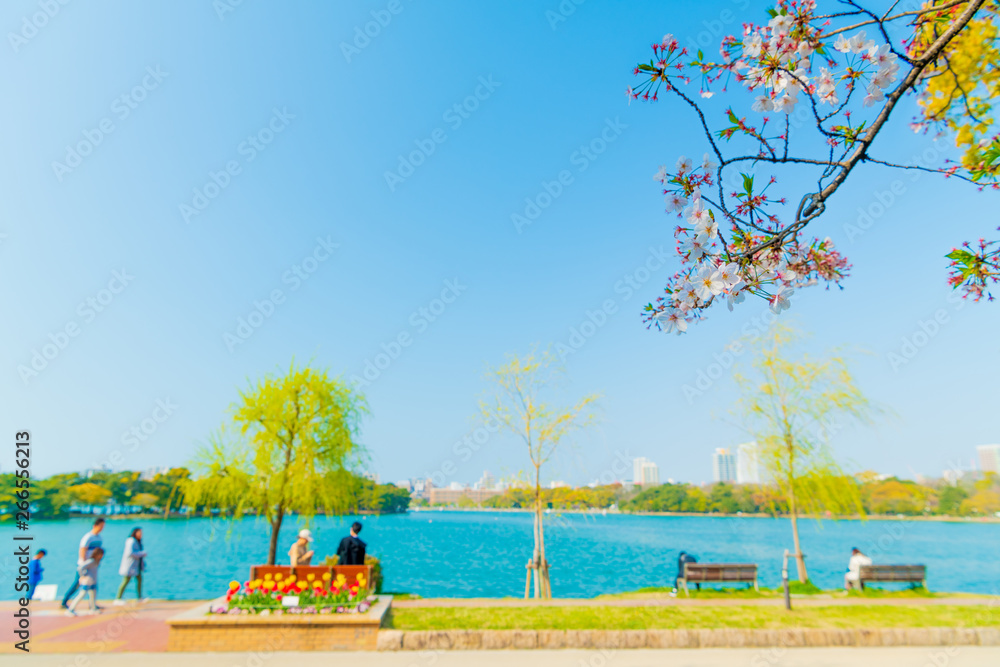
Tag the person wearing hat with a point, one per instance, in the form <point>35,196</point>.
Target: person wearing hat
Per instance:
<point>300,553</point>
<point>852,578</point>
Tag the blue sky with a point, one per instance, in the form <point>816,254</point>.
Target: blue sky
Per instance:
<point>306,209</point>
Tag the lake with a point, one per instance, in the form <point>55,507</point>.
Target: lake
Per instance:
<point>471,554</point>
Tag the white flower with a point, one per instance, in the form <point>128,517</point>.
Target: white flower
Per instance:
<point>661,174</point>
<point>780,300</point>
<point>672,320</point>
<point>860,43</point>
<point>805,50</point>
<point>734,298</point>
<point>762,103</point>
<point>874,95</point>
<point>688,295</point>
<point>694,244</point>
<point>751,46</point>
<point>786,103</point>
<point>842,44</point>
<point>675,202</point>
<point>669,42</point>
<point>707,163</point>
<point>684,166</point>
<point>705,225</point>
<point>730,276</point>
<point>781,25</point>
<point>882,56</point>
<point>883,78</point>
<point>707,94</point>
<point>707,283</point>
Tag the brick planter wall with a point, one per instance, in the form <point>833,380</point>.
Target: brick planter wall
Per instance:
<point>196,630</point>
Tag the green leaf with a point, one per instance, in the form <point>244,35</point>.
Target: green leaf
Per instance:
<point>963,256</point>
<point>748,183</point>
<point>701,56</point>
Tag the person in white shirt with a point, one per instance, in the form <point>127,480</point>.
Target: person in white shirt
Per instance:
<point>852,578</point>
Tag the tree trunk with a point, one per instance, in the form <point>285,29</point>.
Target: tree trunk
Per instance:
<point>800,561</point>
<point>275,529</point>
<point>542,589</point>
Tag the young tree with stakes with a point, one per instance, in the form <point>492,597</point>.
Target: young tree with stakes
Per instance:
<point>516,404</point>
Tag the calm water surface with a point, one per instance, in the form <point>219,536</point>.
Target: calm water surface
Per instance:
<point>471,554</point>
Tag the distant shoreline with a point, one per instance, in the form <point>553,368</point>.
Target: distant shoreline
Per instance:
<point>717,515</point>
<point>601,512</point>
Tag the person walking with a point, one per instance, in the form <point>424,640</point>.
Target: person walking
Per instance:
<point>90,542</point>
<point>300,553</point>
<point>132,565</point>
<point>352,550</point>
<point>87,581</point>
<point>35,572</point>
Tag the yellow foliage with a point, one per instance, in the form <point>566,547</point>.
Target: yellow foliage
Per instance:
<point>958,89</point>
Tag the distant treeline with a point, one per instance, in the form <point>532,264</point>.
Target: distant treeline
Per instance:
<point>125,492</point>
<point>878,496</point>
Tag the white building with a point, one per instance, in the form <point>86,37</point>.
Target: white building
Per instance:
<point>748,464</point>
<point>723,466</point>
<point>645,472</point>
<point>487,481</point>
<point>989,458</point>
<point>557,484</point>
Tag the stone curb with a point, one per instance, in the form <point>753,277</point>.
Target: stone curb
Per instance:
<point>398,640</point>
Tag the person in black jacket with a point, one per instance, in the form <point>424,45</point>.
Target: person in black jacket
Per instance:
<point>351,550</point>
<point>683,558</point>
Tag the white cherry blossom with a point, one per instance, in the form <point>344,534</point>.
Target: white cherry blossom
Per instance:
<point>780,300</point>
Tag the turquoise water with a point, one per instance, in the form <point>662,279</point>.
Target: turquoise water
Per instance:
<point>469,554</point>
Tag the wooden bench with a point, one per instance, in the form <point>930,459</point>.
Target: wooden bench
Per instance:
<point>907,574</point>
<point>718,573</point>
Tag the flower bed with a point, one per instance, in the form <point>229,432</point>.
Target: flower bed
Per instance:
<point>288,595</point>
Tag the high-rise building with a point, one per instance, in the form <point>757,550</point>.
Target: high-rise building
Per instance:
<point>645,472</point>
<point>723,466</point>
<point>487,481</point>
<point>637,469</point>
<point>748,464</point>
<point>989,458</point>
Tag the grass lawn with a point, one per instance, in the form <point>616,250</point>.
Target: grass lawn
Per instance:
<point>796,589</point>
<point>637,618</point>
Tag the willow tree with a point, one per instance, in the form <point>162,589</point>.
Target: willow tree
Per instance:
<point>294,448</point>
<point>516,403</point>
<point>793,406</point>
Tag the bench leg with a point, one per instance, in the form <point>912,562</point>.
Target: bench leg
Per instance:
<point>685,584</point>
<point>755,586</point>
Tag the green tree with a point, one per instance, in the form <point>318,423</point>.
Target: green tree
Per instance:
<point>90,494</point>
<point>517,404</point>
<point>297,444</point>
<point>721,499</point>
<point>951,498</point>
<point>792,406</point>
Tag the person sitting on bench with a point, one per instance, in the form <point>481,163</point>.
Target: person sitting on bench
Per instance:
<point>683,558</point>
<point>852,578</point>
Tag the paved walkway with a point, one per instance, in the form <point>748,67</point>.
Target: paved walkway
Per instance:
<point>972,656</point>
<point>128,628</point>
<point>142,627</point>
